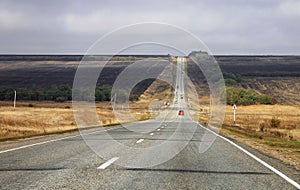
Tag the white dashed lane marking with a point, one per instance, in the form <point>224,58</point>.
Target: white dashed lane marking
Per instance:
<point>139,141</point>
<point>108,163</point>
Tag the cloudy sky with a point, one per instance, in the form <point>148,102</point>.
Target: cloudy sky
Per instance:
<point>226,27</point>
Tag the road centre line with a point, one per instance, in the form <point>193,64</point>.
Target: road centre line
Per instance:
<point>139,141</point>
<point>108,163</point>
<point>256,158</point>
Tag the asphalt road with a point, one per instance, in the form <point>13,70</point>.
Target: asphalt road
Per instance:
<point>66,161</point>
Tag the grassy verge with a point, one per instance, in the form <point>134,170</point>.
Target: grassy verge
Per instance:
<point>282,149</point>
<point>271,129</point>
<point>36,135</point>
<point>262,138</point>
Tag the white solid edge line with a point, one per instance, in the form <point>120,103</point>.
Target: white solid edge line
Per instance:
<point>35,144</point>
<point>108,163</point>
<point>139,141</point>
<point>45,142</point>
<point>257,159</point>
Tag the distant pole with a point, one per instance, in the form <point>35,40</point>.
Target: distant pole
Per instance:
<point>15,99</point>
<point>114,101</point>
<point>210,104</point>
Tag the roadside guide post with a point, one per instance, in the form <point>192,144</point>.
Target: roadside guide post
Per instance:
<point>15,99</point>
<point>234,113</point>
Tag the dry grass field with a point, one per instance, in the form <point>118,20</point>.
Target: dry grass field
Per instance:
<point>30,121</point>
<point>47,117</point>
<point>39,118</point>
<point>272,120</point>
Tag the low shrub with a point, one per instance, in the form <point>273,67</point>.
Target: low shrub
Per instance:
<point>275,123</point>
<point>241,96</point>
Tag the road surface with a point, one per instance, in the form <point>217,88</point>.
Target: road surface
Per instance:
<point>65,161</point>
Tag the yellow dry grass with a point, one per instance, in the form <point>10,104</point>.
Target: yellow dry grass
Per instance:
<point>256,118</point>
<point>50,117</point>
<point>25,121</point>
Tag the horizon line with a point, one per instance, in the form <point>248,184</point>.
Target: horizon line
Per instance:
<point>79,54</point>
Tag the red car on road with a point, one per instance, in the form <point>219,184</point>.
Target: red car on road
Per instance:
<point>181,112</point>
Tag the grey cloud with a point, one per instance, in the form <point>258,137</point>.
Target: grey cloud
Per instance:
<point>227,27</point>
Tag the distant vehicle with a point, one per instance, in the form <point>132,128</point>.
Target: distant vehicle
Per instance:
<point>181,112</point>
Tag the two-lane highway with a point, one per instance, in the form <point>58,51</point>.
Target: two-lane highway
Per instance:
<point>70,164</point>
<point>66,162</point>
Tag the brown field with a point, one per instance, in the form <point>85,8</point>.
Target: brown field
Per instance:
<point>258,118</point>
<point>39,118</point>
<point>30,121</point>
<point>48,117</point>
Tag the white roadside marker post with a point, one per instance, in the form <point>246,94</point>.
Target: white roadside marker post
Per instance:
<point>234,114</point>
<point>15,99</point>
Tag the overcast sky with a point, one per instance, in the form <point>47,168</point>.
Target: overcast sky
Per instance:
<point>225,26</point>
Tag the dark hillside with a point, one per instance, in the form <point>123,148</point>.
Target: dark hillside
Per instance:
<point>277,76</point>
<point>41,73</point>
